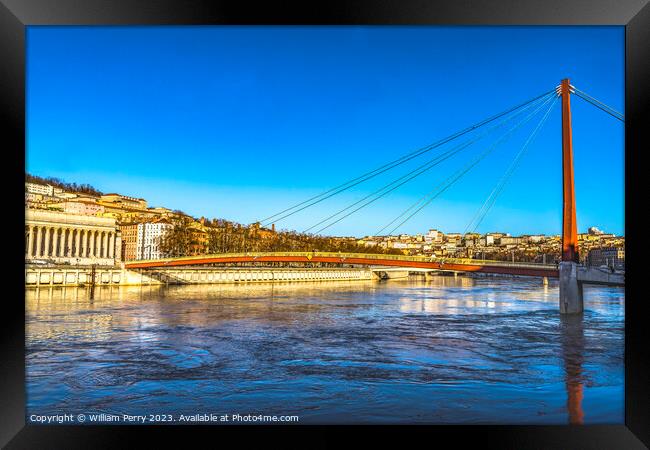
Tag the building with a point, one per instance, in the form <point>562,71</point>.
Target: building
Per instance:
<point>130,210</point>
<point>367,243</point>
<point>199,239</point>
<point>594,231</point>
<point>31,197</point>
<point>43,189</point>
<point>449,249</point>
<point>122,201</point>
<point>64,195</point>
<point>81,206</point>
<point>142,240</point>
<point>149,236</point>
<point>470,241</point>
<point>510,240</point>
<point>265,233</point>
<point>608,256</point>
<point>160,211</point>
<point>63,238</point>
<point>434,236</point>
<point>47,190</point>
<point>129,241</point>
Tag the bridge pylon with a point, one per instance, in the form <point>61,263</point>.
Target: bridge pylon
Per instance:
<point>569,224</point>
<point>571,299</point>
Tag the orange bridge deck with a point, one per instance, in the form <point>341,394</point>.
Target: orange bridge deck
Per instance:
<point>419,262</point>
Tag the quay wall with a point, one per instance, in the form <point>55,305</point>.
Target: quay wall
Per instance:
<point>75,276</point>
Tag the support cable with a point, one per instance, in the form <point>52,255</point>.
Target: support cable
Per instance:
<point>442,187</point>
<point>498,188</point>
<point>368,175</point>
<point>383,194</point>
<point>423,198</point>
<point>598,104</point>
<point>424,167</point>
<point>392,189</point>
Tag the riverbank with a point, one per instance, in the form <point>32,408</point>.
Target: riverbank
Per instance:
<point>85,276</point>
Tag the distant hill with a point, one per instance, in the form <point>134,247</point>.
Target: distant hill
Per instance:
<point>68,187</point>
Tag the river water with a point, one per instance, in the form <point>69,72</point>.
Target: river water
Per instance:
<point>443,350</point>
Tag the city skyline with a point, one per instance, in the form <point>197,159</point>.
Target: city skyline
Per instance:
<point>158,136</point>
<point>587,229</point>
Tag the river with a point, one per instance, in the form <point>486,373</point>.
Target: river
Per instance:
<point>443,350</point>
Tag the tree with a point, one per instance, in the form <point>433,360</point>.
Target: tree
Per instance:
<point>177,241</point>
<point>68,187</point>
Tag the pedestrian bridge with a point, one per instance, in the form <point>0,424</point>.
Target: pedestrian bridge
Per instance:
<point>416,263</point>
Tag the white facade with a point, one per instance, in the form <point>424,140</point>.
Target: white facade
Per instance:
<point>43,189</point>
<point>149,237</point>
<point>61,238</point>
<point>48,190</point>
<point>433,236</point>
<point>82,208</point>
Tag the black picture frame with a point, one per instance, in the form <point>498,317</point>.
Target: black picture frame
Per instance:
<point>15,15</point>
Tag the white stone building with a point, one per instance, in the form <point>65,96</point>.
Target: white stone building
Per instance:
<point>81,207</point>
<point>43,189</point>
<point>148,241</point>
<point>61,238</point>
<point>434,236</point>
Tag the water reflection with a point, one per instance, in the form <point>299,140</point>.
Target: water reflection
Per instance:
<point>439,350</point>
<point>573,349</point>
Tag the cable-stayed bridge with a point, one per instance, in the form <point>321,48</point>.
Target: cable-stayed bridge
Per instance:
<point>362,259</point>
<point>504,124</point>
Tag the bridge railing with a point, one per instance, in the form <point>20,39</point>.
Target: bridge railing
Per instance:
<point>344,256</point>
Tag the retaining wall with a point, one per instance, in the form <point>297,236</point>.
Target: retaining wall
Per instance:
<point>103,276</point>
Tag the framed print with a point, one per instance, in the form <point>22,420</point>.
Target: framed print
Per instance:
<point>287,221</point>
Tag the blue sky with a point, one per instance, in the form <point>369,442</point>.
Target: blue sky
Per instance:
<point>241,122</point>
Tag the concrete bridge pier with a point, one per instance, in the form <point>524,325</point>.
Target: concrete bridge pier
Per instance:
<point>391,274</point>
<point>571,301</point>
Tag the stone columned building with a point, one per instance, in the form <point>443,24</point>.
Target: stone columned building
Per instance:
<point>62,238</point>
